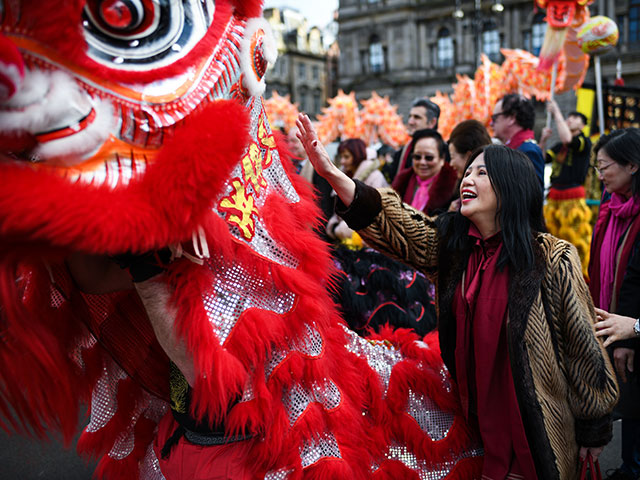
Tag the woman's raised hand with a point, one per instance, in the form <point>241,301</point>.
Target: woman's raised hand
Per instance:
<point>316,152</point>
<point>344,187</point>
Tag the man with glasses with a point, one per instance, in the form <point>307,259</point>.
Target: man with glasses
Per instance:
<point>422,115</point>
<point>512,122</point>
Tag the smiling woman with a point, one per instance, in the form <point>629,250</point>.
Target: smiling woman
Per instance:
<point>491,262</point>
<point>429,182</point>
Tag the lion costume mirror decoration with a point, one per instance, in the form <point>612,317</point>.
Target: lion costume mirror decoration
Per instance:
<point>134,125</point>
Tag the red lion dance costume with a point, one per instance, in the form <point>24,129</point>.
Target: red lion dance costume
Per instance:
<point>134,125</point>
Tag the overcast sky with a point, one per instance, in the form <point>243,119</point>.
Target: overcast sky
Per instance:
<point>318,12</point>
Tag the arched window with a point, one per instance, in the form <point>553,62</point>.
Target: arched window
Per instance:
<point>445,48</point>
<point>491,41</point>
<point>634,22</point>
<point>376,54</point>
<point>538,29</point>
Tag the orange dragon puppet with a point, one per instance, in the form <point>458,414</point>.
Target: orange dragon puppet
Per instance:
<point>134,132</point>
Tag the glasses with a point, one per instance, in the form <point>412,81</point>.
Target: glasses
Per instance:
<point>603,168</point>
<point>417,156</point>
<point>495,116</point>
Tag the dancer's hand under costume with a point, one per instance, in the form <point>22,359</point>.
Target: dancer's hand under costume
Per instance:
<point>344,187</point>
<point>101,274</point>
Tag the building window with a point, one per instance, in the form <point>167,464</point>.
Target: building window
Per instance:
<point>316,102</point>
<point>491,41</point>
<point>538,29</point>
<point>315,72</point>
<point>302,70</point>
<point>304,100</point>
<point>634,19</point>
<point>445,49</point>
<point>526,40</point>
<point>376,55</point>
<point>364,59</point>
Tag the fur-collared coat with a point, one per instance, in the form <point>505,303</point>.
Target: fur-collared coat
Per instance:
<point>565,385</point>
<point>441,191</point>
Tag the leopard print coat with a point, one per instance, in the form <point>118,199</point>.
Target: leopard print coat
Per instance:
<point>565,385</point>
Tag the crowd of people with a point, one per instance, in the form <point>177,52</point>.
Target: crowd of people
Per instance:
<point>525,293</point>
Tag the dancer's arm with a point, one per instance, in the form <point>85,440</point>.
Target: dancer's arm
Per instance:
<point>99,275</point>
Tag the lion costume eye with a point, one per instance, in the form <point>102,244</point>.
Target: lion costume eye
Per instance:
<point>144,34</point>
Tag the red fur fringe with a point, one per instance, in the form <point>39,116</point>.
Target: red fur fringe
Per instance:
<point>247,8</point>
<point>39,383</point>
<point>163,207</point>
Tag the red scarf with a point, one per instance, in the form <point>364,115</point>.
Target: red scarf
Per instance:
<point>484,377</point>
<point>519,138</point>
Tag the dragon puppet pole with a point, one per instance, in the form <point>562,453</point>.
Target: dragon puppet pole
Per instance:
<point>598,73</point>
<point>552,89</point>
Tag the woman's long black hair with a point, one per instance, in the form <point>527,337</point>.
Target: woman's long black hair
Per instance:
<point>519,210</point>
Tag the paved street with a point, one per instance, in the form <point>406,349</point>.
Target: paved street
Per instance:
<point>22,459</point>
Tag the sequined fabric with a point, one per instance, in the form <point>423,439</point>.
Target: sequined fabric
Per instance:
<point>314,450</point>
<point>298,398</point>
<point>259,175</point>
<point>150,466</point>
<point>380,356</point>
<point>236,289</point>
<point>281,474</point>
<point>104,403</point>
<point>426,413</point>
<point>425,472</point>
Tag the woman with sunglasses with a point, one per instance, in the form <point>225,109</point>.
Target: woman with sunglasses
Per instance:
<point>515,319</point>
<point>614,272</point>
<point>429,182</point>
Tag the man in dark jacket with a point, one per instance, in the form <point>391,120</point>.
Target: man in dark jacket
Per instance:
<point>512,121</point>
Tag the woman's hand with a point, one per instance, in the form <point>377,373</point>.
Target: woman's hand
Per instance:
<point>595,452</point>
<point>614,327</point>
<point>344,187</point>
<point>316,152</point>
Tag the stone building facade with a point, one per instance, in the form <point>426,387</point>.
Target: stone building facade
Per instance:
<point>301,69</point>
<point>411,48</point>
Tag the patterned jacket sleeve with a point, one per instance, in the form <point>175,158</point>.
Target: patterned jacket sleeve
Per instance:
<point>392,227</point>
<point>593,390</point>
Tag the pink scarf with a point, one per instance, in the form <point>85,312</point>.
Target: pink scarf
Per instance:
<point>622,214</point>
<point>421,196</point>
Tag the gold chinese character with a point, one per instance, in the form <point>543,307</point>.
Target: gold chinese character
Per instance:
<point>267,141</point>
<point>252,169</point>
<point>241,209</point>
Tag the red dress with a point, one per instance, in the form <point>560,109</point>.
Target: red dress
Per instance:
<point>483,370</point>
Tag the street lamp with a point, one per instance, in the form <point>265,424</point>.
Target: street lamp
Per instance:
<point>477,21</point>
